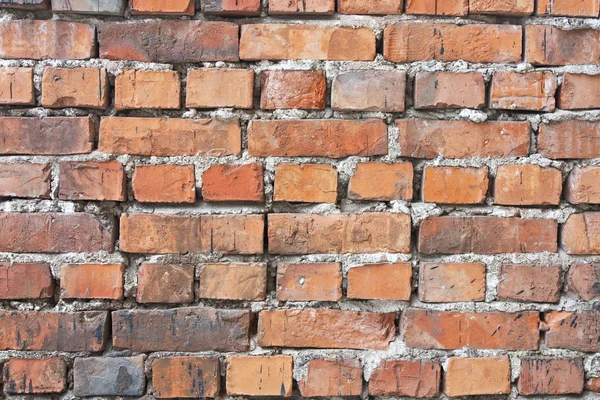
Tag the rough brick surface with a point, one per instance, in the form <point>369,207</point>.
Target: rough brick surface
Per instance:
<point>16,86</point>
<point>25,281</point>
<point>102,7</point>
<point>438,7</point>
<point>369,91</point>
<point>477,376</point>
<point>147,89</point>
<point>504,7</point>
<point>454,185</point>
<point>309,183</point>
<point>551,377</point>
<point>530,91</point>
<point>109,376</point>
<point>215,88</point>
<point>332,377</point>
<point>569,139</point>
<point>233,8</point>
<point>449,283</point>
<point>35,376</point>
<point>529,283</point>
<point>524,185</point>
<point>380,282</point>
<point>233,281</point>
<point>549,45</point>
<point>102,181</point>
<point>378,181</point>
<point>580,234</point>
<point>233,183</point>
<point>572,331</point>
<point>25,180</point>
<point>164,184</point>
<point>317,7</point>
<point>158,7</point>
<point>309,282</point>
<point>293,89</point>
<point>449,90</point>
<point>569,8</point>
<point>579,91</point>
<point>584,281</point>
<point>417,379</point>
<point>26,4</point>
<point>189,377</point>
<point>381,7</point>
<point>164,283</point>
<point>259,376</point>
<point>92,281</point>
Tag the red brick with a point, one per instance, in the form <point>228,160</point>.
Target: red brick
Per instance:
<point>190,377</point>
<point>332,377</point>
<point>102,181</point>
<point>505,7</point>
<point>411,378</point>
<point>379,181</point>
<point>462,139</point>
<point>35,376</point>
<point>16,86</point>
<point>593,385</point>
<point>46,136</point>
<point>364,90</point>
<point>40,40</point>
<point>527,185</point>
<point>449,90</point>
<point>381,7</point>
<point>533,91</point>
<point>216,88</point>
<point>160,7</point>
<point>551,377</point>
<point>54,233</point>
<point>25,281</point>
<point>25,180</point>
<point>191,329</point>
<point>549,45</point>
<point>476,43</point>
<point>164,234</point>
<point>75,87</point>
<point>234,8</point>
<point>579,91</point>
<point>583,281</point>
<point>455,185</point>
<point>293,89</point>
<point>322,328</point>
<point>53,331</point>
<point>472,330</point>
<point>314,7</point>
<point>581,234</point>
<point>487,235</point>
<point>568,8</point>
<point>297,42</point>
<point>572,330</point>
<point>529,283</point>
<point>308,183</point>
<point>147,89</point>
<point>317,138</point>
<point>234,183</point>
<point>477,376</point>
<point>26,4</point>
<point>380,282</point>
<point>164,184</point>
<point>438,7</point>
<point>164,137</point>
<point>260,376</point>
<point>92,281</point>
<point>233,281</point>
<point>309,282</point>
<point>169,41</point>
<point>449,283</point>
<point>339,233</point>
<point>569,139</point>
<point>165,283</point>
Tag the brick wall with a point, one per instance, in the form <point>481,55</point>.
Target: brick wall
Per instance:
<point>299,198</point>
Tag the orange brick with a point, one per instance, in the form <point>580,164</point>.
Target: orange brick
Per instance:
<point>380,282</point>
<point>551,377</point>
<point>581,234</point>
<point>26,281</point>
<point>259,376</point>
<point>159,7</point>
<point>92,281</point>
<point>190,377</point>
<point>593,385</point>
<point>102,181</point>
<point>549,45</point>
<point>315,7</point>
<point>579,91</point>
<point>505,7</point>
<point>75,87</point>
<point>216,88</point>
<point>477,376</point>
<point>529,283</point>
<point>25,180</point>
<point>147,89</point>
<point>381,7</point>
<point>524,185</point>
<point>165,283</point>
<point>449,90</point>
<point>16,86</point>
<point>365,90</point>
<point>455,185</point>
<point>438,7</point>
<point>35,376</point>
<point>412,378</point>
<point>234,8</point>
<point>450,283</point>
<point>309,183</point>
<point>569,139</point>
<point>568,8</point>
<point>379,181</point>
<point>293,89</point>
<point>577,331</point>
<point>233,281</point>
<point>583,281</point>
<point>164,184</point>
<point>332,377</point>
<point>529,91</point>
<point>233,183</point>
<point>309,282</point>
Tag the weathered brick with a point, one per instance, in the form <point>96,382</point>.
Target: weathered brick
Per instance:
<point>46,136</point>
<point>25,180</point>
<point>25,281</point>
<point>54,233</point>
<point>381,7</point>
<point>484,330</point>
<point>572,330</point>
<point>163,234</point>
<point>190,329</point>
<point>293,89</point>
<point>25,4</point>
<point>461,139</point>
<point>551,377</point>
<point>169,41</point>
<point>477,376</point>
<point>309,282</point>
<point>75,87</point>
<point>16,86</point>
<point>103,7</point>
<point>339,233</point>
<point>379,181</point>
<point>101,181</point>
<point>380,282</point>
<point>234,183</point>
<point>581,234</point>
<point>53,39</point>
<point>307,183</point>
<point>215,88</point>
<point>583,281</point>
<point>164,184</point>
<point>233,281</point>
<point>579,91</point>
<point>505,7</point>
<point>568,8</point>
<point>438,7</point>
<point>549,45</point>
<point>165,137</point>
<point>364,90</point>
<point>190,377</point>
<point>160,7</point>
<point>316,42</point>
<point>259,376</point>
<point>593,385</point>
<point>165,283</point>
<point>317,138</point>
<point>449,283</point>
<point>332,377</point>
<point>314,7</point>
<point>487,235</point>
<point>234,8</point>
<point>147,89</point>
<point>92,281</point>
<point>109,376</point>
<point>53,331</point>
<point>527,185</point>
<point>35,376</point>
<point>570,139</point>
<point>478,43</point>
<point>529,283</point>
<point>449,90</point>
<point>322,328</point>
<point>411,378</point>
<point>533,91</point>
<point>454,185</point>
